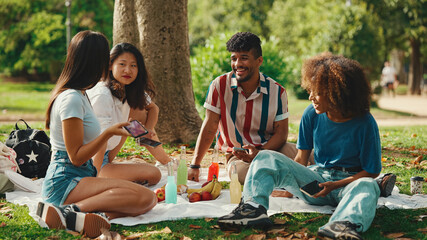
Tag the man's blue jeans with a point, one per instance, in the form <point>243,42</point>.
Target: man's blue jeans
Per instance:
<point>355,202</point>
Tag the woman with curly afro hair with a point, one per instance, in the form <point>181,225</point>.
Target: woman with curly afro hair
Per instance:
<point>344,137</point>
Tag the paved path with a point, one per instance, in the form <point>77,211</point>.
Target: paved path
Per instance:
<point>415,105</point>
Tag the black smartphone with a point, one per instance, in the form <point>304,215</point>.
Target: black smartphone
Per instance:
<point>148,142</point>
<point>136,129</point>
<point>241,149</point>
<point>312,188</point>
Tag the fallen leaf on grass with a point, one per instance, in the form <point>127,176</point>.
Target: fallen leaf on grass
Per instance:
<point>5,209</point>
<point>185,238</point>
<point>313,219</point>
<point>255,237</point>
<point>417,160</point>
<point>208,219</point>
<point>280,221</point>
<point>107,235</point>
<point>215,227</point>
<point>194,226</point>
<point>138,235</point>
<point>423,230</point>
<point>280,231</point>
<point>2,224</point>
<point>53,238</point>
<point>394,235</point>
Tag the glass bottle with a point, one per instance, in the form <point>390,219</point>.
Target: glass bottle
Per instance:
<point>182,169</point>
<point>235,187</point>
<point>170,188</point>
<point>214,167</point>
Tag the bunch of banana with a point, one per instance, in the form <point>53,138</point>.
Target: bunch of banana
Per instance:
<point>214,187</point>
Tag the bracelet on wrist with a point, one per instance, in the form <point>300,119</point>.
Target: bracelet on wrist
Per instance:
<point>194,166</point>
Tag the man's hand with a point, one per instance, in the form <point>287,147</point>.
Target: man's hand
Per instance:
<point>327,188</point>
<point>193,174</point>
<point>244,156</point>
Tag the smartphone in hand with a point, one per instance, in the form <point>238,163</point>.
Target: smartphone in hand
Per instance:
<point>241,149</point>
<point>136,129</point>
<point>148,142</point>
<point>312,188</point>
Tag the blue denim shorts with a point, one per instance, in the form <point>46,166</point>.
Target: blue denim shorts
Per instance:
<point>62,177</point>
<point>106,160</point>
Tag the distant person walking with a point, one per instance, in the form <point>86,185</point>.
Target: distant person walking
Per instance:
<point>389,78</point>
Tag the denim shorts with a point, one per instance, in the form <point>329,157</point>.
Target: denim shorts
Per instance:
<point>106,160</point>
<point>62,177</point>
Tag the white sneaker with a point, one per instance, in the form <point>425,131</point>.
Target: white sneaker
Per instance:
<point>90,224</point>
<point>50,216</point>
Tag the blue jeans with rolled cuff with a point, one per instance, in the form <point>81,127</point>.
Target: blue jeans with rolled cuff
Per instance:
<point>356,202</point>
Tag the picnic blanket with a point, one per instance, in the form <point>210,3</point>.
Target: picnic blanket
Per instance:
<point>205,209</point>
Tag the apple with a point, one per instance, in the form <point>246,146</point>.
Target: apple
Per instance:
<point>195,197</point>
<point>206,196</point>
<point>160,193</point>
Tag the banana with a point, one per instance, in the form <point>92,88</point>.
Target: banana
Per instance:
<point>208,188</point>
<point>216,190</point>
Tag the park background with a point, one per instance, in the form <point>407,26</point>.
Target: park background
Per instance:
<point>33,42</point>
<point>183,42</point>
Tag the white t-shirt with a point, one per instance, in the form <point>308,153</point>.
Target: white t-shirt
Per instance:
<point>72,103</point>
<point>109,109</point>
<point>389,74</point>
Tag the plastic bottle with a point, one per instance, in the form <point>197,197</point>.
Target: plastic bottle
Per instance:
<point>235,187</point>
<point>214,167</point>
<point>170,185</point>
<point>182,169</point>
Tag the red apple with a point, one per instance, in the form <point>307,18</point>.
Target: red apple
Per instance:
<point>160,193</point>
<point>204,184</point>
<point>195,197</point>
<point>206,196</point>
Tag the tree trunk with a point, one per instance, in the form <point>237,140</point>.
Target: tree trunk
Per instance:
<point>415,74</point>
<point>398,62</point>
<point>160,30</point>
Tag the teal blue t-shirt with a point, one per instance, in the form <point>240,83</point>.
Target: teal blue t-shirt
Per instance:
<point>354,143</point>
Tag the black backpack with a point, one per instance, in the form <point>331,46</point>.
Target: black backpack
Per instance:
<point>33,150</point>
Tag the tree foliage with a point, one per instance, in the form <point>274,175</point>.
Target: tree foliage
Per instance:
<point>211,17</point>
<point>311,27</point>
<point>33,37</point>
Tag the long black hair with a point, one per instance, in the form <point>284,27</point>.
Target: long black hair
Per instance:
<point>133,93</point>
<point>87,62</point>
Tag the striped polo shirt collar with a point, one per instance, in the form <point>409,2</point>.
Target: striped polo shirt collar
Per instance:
<point>262,83</point>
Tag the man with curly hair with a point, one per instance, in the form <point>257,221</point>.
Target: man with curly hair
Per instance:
<point>245,108</point>
<point>345,139</point>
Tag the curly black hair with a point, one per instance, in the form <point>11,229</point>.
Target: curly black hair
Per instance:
<point>245,41</point>
<point>341,80</point>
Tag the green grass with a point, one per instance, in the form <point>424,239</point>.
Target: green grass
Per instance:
<point>28,98</point>
<point>401,147</point>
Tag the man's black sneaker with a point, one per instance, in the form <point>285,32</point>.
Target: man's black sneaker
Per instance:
<point>343,230</point>
<point>386,184</point>
<point>248,215</point>
<point>70,217</point>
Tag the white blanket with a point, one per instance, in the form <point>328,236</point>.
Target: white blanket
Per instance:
<point>214,208</point>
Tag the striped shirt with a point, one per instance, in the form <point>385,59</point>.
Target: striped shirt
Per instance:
<point>246,121</point>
